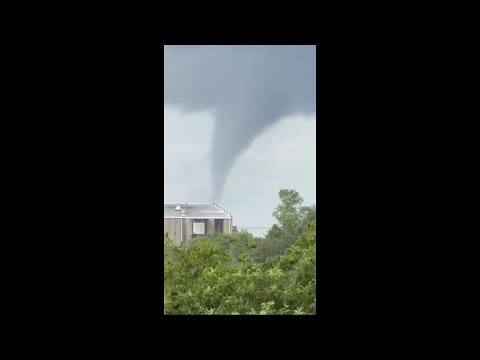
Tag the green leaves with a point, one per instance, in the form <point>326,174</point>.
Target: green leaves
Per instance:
<point>216,274</point>
<point>275,273</point>
<point>293,219</point>
<point>200,279</point>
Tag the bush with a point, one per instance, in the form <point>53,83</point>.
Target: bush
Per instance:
<point>218,277</point>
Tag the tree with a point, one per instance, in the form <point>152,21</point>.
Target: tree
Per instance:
<point>226,274</point>
<point>234,245</point>
<point>288,212</point>
<point>292,220</point>
<point>199,280</point>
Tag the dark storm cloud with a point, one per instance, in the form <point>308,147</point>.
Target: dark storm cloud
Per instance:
<point>249,88</point>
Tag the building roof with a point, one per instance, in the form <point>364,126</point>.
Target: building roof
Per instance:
<point>196,211</point>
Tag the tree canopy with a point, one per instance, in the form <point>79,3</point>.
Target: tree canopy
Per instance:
<point>239,274</point>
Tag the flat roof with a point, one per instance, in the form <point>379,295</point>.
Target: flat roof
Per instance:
<point>196,211</point>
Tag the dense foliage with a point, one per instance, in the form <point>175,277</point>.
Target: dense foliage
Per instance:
<point>218,275</point>
<point>292,220</point>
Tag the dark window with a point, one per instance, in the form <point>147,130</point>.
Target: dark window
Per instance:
<point>218,226</point>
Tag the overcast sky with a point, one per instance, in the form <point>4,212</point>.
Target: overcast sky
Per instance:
<point>266,147</point>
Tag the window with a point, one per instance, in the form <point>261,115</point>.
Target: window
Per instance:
<point>218,225</point>
<point>198,228</point>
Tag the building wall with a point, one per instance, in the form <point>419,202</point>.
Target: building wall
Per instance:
<point>173,228</point>
<point>183,228</point>
<point>226,226</point>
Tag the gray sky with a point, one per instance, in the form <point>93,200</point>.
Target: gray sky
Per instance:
<point>239,126</point>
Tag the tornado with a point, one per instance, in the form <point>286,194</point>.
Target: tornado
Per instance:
<point>248,88</point>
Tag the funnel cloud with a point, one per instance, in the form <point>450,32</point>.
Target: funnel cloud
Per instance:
<point>248,89</point>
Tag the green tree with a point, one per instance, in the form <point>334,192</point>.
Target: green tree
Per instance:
<point>234,245</point>
<point>288,212</point>
<point>200,280</point>
<point>292,220</point>
<point>226,274</point>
